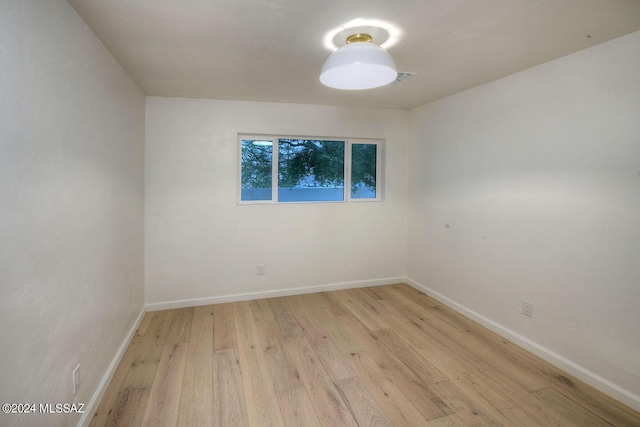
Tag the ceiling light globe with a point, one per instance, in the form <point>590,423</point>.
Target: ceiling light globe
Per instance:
<point>358,66</point>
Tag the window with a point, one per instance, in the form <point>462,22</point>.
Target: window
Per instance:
<point>294,169</point>
<point>364,161</point>
<point>257,163</point>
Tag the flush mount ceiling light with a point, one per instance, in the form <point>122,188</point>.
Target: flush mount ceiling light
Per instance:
<point>360,64</point>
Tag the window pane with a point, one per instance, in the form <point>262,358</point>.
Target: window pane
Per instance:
<point>257,156</point>
<point>363,171</point>
<point>310,170</point>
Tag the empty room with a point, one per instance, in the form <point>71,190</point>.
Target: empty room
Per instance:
<point>320,213</point>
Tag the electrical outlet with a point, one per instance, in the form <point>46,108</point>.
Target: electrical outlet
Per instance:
<point>75,377</point>
<point>527,308</point>
<point>261,270</point>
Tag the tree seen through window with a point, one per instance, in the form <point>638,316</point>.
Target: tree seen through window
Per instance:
<point>307,169</point>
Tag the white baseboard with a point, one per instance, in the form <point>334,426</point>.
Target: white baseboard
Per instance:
<point>271,294</point>
<point>594,380</point>
<point>91,407</point>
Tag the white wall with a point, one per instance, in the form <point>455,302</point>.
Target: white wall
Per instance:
<point>71,207</point>
<point>529,188</point>
<point>201,244</point>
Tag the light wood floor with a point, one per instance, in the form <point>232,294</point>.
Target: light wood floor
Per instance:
<point>378,356</point>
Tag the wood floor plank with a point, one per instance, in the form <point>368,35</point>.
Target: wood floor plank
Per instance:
<point>164,398</point>
<point>386,355</point>
<point>491,358</point>
<point>467,408</point>
<point>225,327</point>
<point>449,421</point>
<point>395,404</point>
<point>415,295</point>
<point>196,403</point>
<point>371,303</point>
<point>430,406</point>
<point>287,323</point>
<point>322,315</point>
<point>362,405</point>
<point>229,407</point>
<point>347,320</point>
<point>268,337</point>
<point>614,412</point>
<point>261,400</point>
<point>373,292</point>
<point>414,361</point>
<point>296,408</point>
<point>109,399</point>
<point>496,406</point>
<point>328,405</point>
<point>142,372</point>
<point>144,324</point>
<point>497,369</point>
<point>572,410</point>
<point>606,407</point>
<point>133,396</point>
<point>488,357</point>
<point>129,407</point>
<point>330,356</point>
<point>503,392</point>
<point>485,358</point>
<point>366,313</point>
<point>610,410</point>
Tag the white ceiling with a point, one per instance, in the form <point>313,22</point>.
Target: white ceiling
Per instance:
<point>272,50</point>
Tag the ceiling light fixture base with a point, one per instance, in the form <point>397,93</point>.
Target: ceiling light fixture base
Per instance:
<point>359,37</point>
<point>359,64</point>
